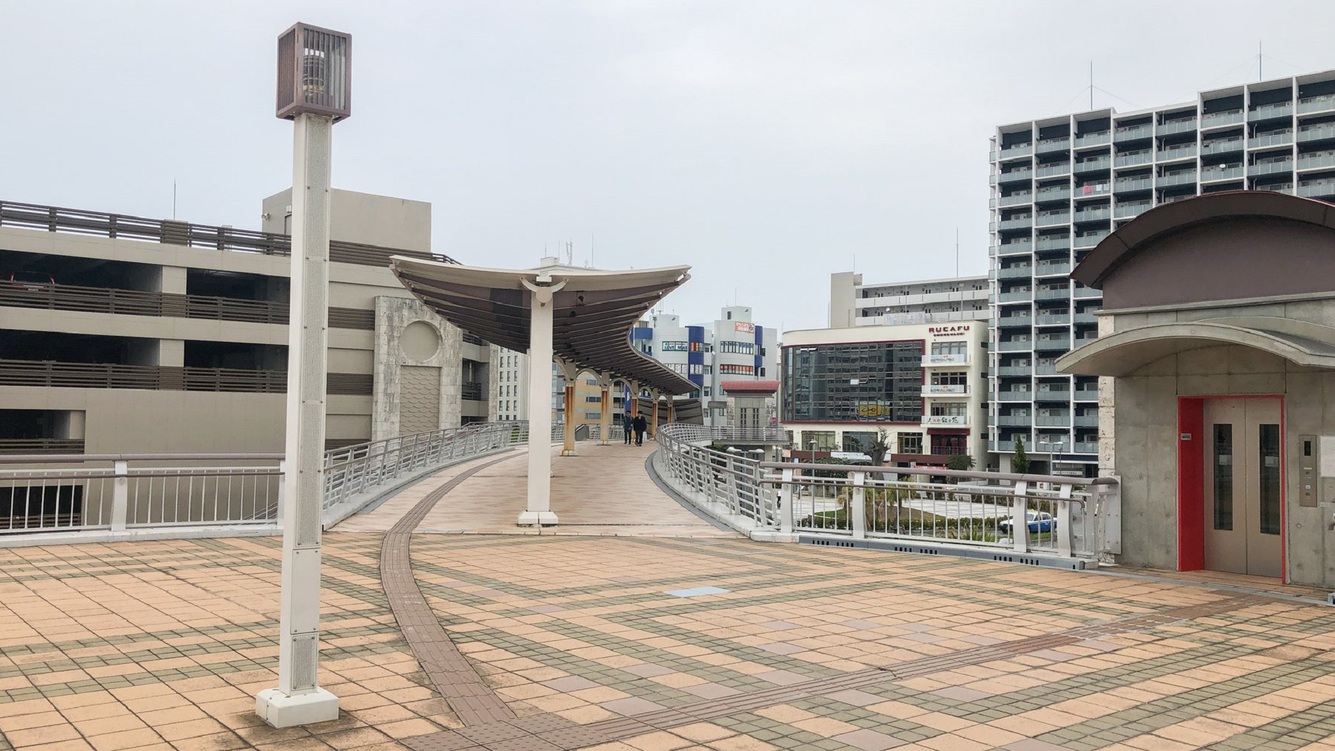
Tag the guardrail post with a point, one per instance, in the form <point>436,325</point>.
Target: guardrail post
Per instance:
<point>786,509</point>
<point>1019,520</point>
<point>857,506</point>
<point>1064,516</point>
<point>120,496</point>
<point>734,504</point>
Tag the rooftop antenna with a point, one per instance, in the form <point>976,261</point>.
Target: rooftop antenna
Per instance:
<point>570,253</point>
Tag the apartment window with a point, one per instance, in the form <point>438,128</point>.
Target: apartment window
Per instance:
<point>950,348</point>
<point>949,409</point>
<point>863,382</point>
<point>910,443</point>
<point>950,444</point>
<point>824,440</point>
<point>950,379</point>
<point>593,400</point>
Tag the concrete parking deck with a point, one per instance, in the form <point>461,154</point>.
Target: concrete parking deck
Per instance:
<point>666,634</point>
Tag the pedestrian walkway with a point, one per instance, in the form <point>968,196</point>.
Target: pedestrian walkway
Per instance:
<point>627,638</point>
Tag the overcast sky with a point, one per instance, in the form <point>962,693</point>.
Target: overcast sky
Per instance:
<point>765,143</point>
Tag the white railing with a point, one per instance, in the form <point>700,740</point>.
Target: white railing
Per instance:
<point>109,494</point>
<point>1060,516</point>
<point>353,473</point>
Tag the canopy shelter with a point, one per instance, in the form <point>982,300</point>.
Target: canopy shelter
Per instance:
<point>582,316</point>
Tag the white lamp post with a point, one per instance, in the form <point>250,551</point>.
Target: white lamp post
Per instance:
<point>314,90</point>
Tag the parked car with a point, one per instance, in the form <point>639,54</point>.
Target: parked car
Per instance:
<point>30,279</point>
<point>1037,521</point>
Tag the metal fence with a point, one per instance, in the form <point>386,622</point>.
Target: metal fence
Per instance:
<point>1061,516</point>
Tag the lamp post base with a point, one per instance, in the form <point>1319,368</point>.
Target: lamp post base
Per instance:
<point>283,711</point>
<point>537,519</point>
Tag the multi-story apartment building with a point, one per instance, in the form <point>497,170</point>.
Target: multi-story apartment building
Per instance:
<point>853,303</point>
<point>129,335</point>
<point>1061,184</point>
<point>731,348</point>
<point>923,384</point>
<point>509,384</point>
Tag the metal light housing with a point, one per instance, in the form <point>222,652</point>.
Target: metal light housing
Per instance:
<point>314,72</point>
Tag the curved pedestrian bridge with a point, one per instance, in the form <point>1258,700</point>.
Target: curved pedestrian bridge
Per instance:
<point>637,625</point>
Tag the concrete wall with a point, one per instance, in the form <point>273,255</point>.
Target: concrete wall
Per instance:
<point>1144,447</point>
<point>407,334</point>
<point>361,218</point>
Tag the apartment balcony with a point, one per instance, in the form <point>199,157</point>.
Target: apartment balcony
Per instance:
<point>1315,188</point>
<point>1090,239</point>
<point>1186,177</point>
<point>1177,152</point>
<point>1023,222</point>
<point>952,359</point>
<point>1015,199</point>
<point>1093,165</point>
<point>1093,214</point>
<point>1308,133</point>
<point>1285,188</point>
<point>1015,272</point>
<point>1054,319</point>
<point>1310,104</point>
<point>1015,421</point>
<point>996,446</point>
<point>1086,318</point>
<point>1093,139</point>
<point>945,390</point>
<point>1017,150</point>
<point>1048,195</point>
<point>1046,368</point>
<point>1013,370</point>
<point>1051,395</point>
<point>1274,111</point>
<point>1086,447</point>
<point>50,374</point>
<point>1086,421</point>
<point>1176,126</point>
<point>1020,319</point>
<point>1132,158</point>
<point>1217,173</point>
<point>1084,293</point>
<point>1052,268</point>
<point>1275,138</point>
<point>1016,296</point>
<point>1058,293</point>
<point>1052,218</point>
<point>954,421</point>
<point>1226,146</point>
<point>1086,395</point>
<point>1053,421</point>
<point>1131,209</point>
<point>1271,167</point>
<point>1218,119</point>
<point>1051,342</point>
<point>1316,161</point>
<point>1023,246</point>
<point>1014,345</point>
<point>1053,243</point>
<point>1133,132</point>
<point>1050,145</point>
<point>1015,396</point>
<point>1132,184</point>
<point>1060,168</point>
<point>1015,176</point>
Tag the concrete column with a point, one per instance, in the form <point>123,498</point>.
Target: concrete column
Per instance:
<point>605,429</point>
<point>540,353</point>
<point>298,700</point>
<point>653,424</point>
<point>671,408</point>
<point>570,372</point>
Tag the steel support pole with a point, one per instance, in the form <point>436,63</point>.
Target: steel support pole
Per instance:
<point>298,700</point>
<point>540,353</point>
<point>605,430</point>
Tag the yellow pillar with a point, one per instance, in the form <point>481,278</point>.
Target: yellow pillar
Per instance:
<point>671,405</point>
<point>653,425</point>
<point>568,448</point>
<point>606,429</point>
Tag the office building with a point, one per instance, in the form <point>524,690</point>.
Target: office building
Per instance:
<point>730,348</point>
<point>123,334</point>
<point>923,384</point>
<point>853,303</point>
<point>1061,184</point>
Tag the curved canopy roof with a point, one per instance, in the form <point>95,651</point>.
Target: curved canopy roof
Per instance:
<point>1125,352</point>
<point>1120,246</point>
<point>592,314</point>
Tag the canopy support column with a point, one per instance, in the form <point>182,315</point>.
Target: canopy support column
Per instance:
<point>605,425</point>
<point>540,353</point>
<point>569,372</point>
<point>653,424</point>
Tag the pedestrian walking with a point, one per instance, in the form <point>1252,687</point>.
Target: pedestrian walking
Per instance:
<point>640,426</point>
<point>627,427</point>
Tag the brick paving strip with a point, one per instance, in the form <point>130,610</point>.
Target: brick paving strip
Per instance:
<point>490,725</point>
<point>452,674</point>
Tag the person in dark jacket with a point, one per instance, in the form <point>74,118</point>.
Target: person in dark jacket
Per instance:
<point>640,425</point>
<point>627,427</point>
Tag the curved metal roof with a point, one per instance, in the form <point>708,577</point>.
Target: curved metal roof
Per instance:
<point>1124,352</point>
<point>592,314</point>
<point>1119,246</point>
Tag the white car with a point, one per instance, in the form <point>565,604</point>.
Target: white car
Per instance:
<point>1037,521</point>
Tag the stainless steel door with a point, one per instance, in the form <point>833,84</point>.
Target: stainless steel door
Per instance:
<point>1243,474</point>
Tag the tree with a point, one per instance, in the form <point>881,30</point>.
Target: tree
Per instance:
<point>1020,462</point>
<point>879,448</point>
<point>961,462</point>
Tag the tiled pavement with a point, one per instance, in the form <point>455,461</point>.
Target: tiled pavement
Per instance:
<point>617,642</point>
